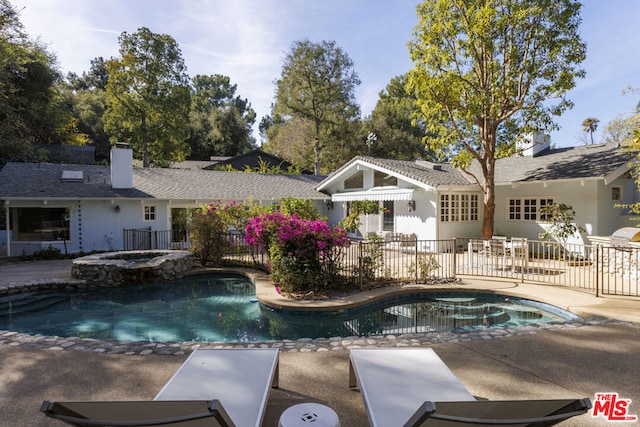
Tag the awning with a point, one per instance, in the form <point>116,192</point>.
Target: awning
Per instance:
<point>374,194</point>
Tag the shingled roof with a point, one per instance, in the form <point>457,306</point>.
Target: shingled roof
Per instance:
<point>43,181</point>
<point>582,162</point>
<point>431,174</point>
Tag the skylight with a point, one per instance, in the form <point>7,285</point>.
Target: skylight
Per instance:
<point>72,176</point>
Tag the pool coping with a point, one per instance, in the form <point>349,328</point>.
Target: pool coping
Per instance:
<point>267,294</point>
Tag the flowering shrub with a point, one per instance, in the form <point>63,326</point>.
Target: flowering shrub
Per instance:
<point>210,223</point>
<point>207,228</point>
<point>302,252</point>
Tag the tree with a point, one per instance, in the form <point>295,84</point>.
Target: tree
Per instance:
<point>487,71</point>
<point>221,122</point>
<point>562,226</point>
<point>317,83</point>
<point>290,140</point>
<point>31,109</point>
<point>398,136</point>
<point>620,129</point>
<point>590,125</point>
<point>148,97</point>
<point>89,103</point>
<point>632,146</point>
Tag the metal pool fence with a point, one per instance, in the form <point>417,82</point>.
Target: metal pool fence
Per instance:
<point>596,269</point>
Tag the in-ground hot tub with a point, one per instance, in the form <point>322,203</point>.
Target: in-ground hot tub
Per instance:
<point>131,267</point>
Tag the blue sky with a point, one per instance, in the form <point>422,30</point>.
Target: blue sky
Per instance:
<point>246,40</point>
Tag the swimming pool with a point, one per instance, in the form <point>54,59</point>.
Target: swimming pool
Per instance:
<point>223,308</point>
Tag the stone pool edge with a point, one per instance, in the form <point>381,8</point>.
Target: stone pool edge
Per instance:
<point>266,293</point>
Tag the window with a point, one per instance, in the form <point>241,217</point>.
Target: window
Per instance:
<point>381,179</point>
<point>468,207</point>
<point>354,181</point>
<point>527,209</point>
<point>458,207</point>
<point>616,194</point>
<point>150,213</point>
<point>387,215</point>
<point>40,224</point>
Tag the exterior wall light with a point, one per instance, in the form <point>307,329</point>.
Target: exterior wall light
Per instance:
<point>411,205</point>
<point>117,209</point>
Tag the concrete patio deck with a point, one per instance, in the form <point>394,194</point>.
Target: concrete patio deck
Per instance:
<point>560,363</point>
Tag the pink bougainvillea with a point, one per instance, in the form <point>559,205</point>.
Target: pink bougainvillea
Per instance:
<point>302,251</point>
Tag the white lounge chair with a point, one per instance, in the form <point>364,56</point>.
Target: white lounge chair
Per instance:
<point>400,385</point>
<point>237,379</point>
<point>395,382</point>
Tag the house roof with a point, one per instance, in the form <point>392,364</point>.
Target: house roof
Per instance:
<point>602,161</point>
<point>582,162</point>
<point>252,160</point>
<point>37,181</point>
<point>194,164</point>
<point>429,174</point>
<point>43,181</point>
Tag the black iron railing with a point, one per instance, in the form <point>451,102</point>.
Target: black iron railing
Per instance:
<point>597,269</point>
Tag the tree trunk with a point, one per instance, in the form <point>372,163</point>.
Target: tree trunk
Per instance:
<point>489,212</point>
<point>145,146</point>
<point>316,154</point>
<point>316,149</point>
<point>489,167</point>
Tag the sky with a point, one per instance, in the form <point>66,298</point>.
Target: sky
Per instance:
<point>246,40</point>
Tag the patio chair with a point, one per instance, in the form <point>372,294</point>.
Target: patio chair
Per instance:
<point>497,253</point>
<point>181,413</point>
<point>238,378</point>
<point>480,248</point>
<point>399,386</point>
<point>518,250</point>
<point>498,412</point>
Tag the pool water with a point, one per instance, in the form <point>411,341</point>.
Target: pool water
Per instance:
<point>223,308</point>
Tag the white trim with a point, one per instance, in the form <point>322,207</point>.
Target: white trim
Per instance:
<point>364,165</point>
<point>613,175</point>
<point>375,194</point>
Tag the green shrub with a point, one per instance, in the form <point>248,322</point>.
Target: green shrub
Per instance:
<point>44,254</point>
<point>210,224</point>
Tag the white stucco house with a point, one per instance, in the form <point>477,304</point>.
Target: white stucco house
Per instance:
<point>83,208</point>
<point>436,201</point>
